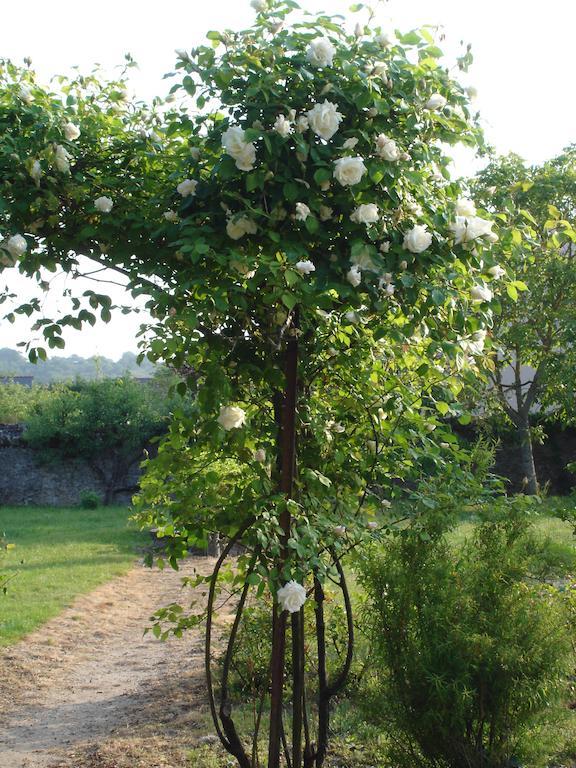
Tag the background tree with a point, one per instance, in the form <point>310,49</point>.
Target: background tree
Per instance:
<point>291,217</point>
<point>105,423</point>
<point>534,330</point>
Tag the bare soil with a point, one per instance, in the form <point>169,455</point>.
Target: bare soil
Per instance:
<point>90,690</point>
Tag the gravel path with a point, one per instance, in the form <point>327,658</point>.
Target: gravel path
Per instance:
<point>89,690</point>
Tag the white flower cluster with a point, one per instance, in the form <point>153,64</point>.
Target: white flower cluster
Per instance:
<point>242,151</point>
<point>468,227</point>
<point>237,228</point>
<point>387,149</point>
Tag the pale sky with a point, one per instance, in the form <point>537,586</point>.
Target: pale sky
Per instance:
<point>523,70</point>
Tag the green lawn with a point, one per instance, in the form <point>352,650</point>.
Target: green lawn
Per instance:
<point>58,554</point>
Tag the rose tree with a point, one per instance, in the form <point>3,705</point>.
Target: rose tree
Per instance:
<point>313,272</point>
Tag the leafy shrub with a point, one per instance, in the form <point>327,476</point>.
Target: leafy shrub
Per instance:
<point>471,653</point>
<point>105,423</point>
<point>90,500</point>
<point>18,402</point>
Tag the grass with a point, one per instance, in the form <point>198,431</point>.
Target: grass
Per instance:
<point>55,555</point>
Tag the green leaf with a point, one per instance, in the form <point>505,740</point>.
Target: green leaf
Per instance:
<point>291,277</point>
<point>289,300</point>
<point>322,174</point>
<point>512,291</point>
<point>312,224</point>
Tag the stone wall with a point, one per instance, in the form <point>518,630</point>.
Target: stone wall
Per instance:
<point>26,481</point>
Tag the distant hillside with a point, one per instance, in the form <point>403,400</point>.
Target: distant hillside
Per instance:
<point>12,363</point>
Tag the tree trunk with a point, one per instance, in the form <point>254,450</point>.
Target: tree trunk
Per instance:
<point>287,447</point>
<point>527,456</point>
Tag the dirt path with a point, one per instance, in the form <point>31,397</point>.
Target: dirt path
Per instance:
<point>88,690</point>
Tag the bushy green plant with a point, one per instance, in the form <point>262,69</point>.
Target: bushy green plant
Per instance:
<point>106,423</point>
<point>471,651</point>
<point>90,499</point>
<point>18,402</point>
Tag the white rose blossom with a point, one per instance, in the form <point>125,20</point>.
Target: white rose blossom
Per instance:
<point>171,216</point>
<point>71,131</point>
<point>354,276</point>
<point>258,5</point>
<point>480,293</point>
<point>16,246</point>
<point>325,212</point>
<point>291,597</point>
<point>403,265</point>
<point>103,204</point>
<point>384,247</point>
<point>372,525</point>
<point>472,92</point>
<point>387,148</point>
<point>302,212</point>
<point>389,288</point>
<point>324,119</point>
<point>237,228</point>
<point>25,94</point>
<point>350,143</point>
<point>465,207</point>
<point>305,267</point>
<point>367,213</point>
<point>62,159</point>
<point>320,52</point>
<point>231,417</point>
<point>496,271</point>
<point>385,39</point>
<point>436,101</point>
<point>302,124</point>
<point>36,172</point>
<point>187,188</point>
<point>468,228</point>
<point>418,239</point>
<point>242,151</point>
<point>349,171</point>
<point>260,455</point>
<point>339,530</point>
<point>474,345</point>
<point>362,259</point>
<point>282,126</point>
